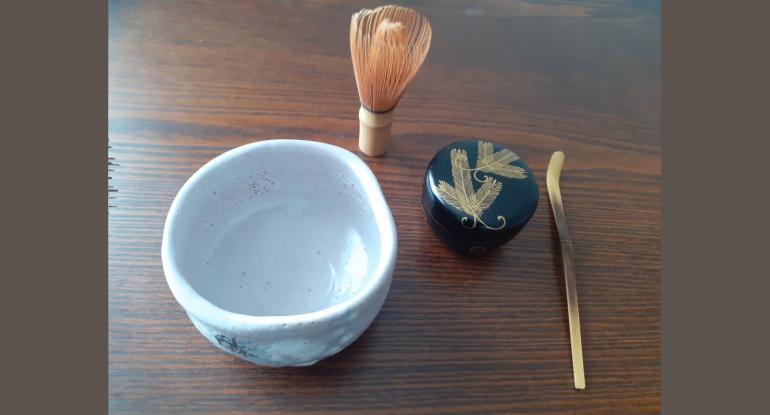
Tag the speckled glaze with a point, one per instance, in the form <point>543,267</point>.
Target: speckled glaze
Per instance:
<point>282,251</point>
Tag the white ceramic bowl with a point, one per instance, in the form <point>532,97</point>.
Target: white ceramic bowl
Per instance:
<point>281,251</point>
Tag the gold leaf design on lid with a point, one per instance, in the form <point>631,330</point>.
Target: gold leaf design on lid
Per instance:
<point>489,161</point>
<point>487,194</point>
<point>458,196</point>
<point>463,197</point>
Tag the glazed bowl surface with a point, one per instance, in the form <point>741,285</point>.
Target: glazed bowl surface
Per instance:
<point>281,251</point>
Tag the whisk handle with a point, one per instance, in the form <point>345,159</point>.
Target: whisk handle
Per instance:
<point>374,131</point>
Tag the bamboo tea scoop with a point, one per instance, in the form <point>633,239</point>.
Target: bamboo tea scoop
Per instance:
<point>554,194</point>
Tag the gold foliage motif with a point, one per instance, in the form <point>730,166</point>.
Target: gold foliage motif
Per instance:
<point>458,197</point>
<point>461,195</point>
<point>489,161</point>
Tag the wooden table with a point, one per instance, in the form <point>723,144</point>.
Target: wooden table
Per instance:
<point>190,80</point>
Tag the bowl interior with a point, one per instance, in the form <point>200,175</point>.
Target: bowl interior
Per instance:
<point>277,230</point>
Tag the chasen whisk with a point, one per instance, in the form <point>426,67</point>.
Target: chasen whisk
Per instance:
<point>388,45</point>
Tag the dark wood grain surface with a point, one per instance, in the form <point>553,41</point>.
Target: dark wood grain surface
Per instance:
<point>190,80</point>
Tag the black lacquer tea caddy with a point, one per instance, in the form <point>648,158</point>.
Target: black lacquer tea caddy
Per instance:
<point>478,195</point>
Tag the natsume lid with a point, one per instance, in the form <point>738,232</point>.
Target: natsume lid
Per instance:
<point>478,195</point>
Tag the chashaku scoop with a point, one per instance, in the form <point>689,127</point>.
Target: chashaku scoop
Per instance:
<point>478,195</point>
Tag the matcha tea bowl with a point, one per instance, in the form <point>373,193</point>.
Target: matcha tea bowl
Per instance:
<point>280,251</point>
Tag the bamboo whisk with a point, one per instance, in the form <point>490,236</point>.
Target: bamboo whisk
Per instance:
<point>388,45</point>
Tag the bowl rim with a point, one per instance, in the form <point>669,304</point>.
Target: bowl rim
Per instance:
<point>210,313</point>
